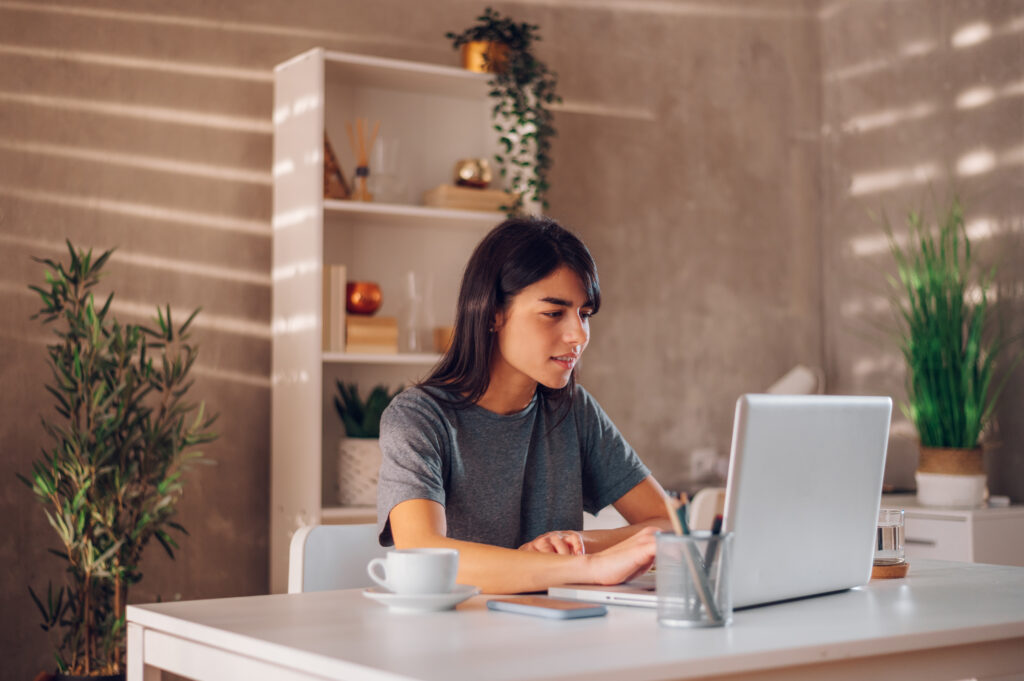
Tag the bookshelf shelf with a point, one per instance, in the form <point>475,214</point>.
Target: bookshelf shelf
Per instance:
<point>346,515</point>
<point>417,358</point>
<point>403,76</point>
<point>370,214</point>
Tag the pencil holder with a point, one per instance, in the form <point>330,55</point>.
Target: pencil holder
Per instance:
<point>693,577</point>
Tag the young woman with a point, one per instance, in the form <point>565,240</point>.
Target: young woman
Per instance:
<point>499,451</point>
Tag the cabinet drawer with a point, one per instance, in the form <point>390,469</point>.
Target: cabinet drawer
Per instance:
<point>937,538</point>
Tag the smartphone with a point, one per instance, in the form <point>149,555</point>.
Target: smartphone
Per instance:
<point>544,606</point>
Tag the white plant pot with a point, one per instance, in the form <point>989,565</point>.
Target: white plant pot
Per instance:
<point>950,491</point>
<point>358,466</point>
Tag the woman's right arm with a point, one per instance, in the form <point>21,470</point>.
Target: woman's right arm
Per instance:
<point>417,523</point>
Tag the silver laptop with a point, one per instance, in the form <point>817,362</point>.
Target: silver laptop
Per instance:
<point>804,488</point>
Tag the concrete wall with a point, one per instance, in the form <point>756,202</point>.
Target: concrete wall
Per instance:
<point>689,157</point>
<point>921,99</point>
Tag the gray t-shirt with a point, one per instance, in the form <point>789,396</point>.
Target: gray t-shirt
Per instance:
<point>502,479</point>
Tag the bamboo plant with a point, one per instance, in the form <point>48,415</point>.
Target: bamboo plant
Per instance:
<point>523,87</point>
<point>111,473</point>
<point>942,307</point>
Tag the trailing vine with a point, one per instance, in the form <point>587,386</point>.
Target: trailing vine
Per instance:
<point>524,88</point>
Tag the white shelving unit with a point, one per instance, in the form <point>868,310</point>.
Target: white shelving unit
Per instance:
<point>438,115</point>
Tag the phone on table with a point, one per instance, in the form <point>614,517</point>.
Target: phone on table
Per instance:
<point>544,606</point>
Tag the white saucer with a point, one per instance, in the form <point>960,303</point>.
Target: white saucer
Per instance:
<point>422,602</point>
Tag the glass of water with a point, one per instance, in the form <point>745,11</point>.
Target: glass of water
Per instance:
<point>889,549</point>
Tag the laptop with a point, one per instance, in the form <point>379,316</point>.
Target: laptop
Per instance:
<point>803,492</point>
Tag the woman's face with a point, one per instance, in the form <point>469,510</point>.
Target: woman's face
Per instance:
<point>542,332</point>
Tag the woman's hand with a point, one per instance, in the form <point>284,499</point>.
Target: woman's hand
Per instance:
<point>568,542</point>
<point>624,561</point>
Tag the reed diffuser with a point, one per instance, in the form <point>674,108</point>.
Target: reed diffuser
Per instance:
<point>361,148</point>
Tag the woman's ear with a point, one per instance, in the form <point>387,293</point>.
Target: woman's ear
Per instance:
<point>498,322</point>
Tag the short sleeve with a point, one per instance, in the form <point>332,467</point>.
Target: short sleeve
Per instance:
<point>610,465</point>
<point>414,451</point>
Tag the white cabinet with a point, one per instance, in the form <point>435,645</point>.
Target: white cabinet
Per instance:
<point>981,535</point>
<point>438,115</point>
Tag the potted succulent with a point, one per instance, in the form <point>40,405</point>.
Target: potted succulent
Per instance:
<point>942,307</point>
<point>523,87</point>
<point>359,453</point>
<point>111,475</point>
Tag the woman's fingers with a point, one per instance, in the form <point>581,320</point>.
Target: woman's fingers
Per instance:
<point>558,543</point>
<point>565,543</point>
<point>641,571</point>
<point>625,560</point>
<point>575,541</point>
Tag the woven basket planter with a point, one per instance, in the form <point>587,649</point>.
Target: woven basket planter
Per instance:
<point>358,468</point>
<point>950,477</point>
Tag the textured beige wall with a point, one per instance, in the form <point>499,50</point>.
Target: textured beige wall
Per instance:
<point>921,99</point>
<point>689,158</point>
<point>119,129</point>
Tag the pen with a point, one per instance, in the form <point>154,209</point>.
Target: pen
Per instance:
<point>716,529</point>
<point>681,512</point>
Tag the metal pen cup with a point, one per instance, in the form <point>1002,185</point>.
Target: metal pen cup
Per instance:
<point>693,578</point>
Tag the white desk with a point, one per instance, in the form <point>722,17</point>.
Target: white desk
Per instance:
<point>944,621</point>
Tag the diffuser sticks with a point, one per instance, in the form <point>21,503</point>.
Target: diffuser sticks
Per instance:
<point>361,148</point>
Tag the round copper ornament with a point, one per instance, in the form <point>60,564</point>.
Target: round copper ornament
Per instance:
<point>362,297</point>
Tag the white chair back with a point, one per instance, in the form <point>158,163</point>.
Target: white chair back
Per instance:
<point>326,557</point>
<point>705,505</point>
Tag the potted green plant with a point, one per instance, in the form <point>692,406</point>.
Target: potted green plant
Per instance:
<point>523,87</point>
<point>110,477</point>
<point>942,308</point>
<point>359,453</point>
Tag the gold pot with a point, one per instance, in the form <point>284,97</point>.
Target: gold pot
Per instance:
<point>484,56</point>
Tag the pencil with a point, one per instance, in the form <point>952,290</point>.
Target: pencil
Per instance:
<point>673,516</point>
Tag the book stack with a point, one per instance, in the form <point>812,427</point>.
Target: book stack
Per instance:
<point>372,335</point>
<point>334,308</point>
<point>467,198</point>
<point>443,336</point>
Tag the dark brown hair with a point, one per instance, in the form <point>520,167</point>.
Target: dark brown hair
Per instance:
<point>515,254</point>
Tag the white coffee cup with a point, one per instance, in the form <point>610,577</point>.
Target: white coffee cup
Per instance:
<point>416,571</point>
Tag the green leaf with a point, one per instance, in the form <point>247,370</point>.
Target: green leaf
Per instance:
<point>166,542</point>
<point>39,604</point>
<point>188,322</point>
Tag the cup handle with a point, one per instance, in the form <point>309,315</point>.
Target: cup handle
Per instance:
<point>382,579</point>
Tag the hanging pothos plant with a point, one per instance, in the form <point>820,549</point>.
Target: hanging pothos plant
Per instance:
<point>524,87</point>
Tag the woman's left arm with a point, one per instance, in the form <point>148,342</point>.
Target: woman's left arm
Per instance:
<point>643,506</point>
